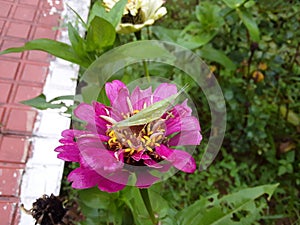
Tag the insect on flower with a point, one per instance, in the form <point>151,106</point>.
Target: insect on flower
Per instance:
<point>136,134</point>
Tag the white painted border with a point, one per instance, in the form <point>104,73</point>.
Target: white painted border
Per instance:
<point>43,170</point>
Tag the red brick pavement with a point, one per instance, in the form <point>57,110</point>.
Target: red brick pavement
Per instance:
<point>22,76</point>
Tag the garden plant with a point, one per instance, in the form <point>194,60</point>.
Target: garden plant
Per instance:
<point>187,112</point>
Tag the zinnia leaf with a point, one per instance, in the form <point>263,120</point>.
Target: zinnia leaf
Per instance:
<point>241,207</point>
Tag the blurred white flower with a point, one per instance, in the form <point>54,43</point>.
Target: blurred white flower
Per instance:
<point>138,14</point>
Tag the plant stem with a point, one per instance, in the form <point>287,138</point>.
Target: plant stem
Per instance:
<point>138,36</point>
<point>146,70</point>
<point>146,200</point>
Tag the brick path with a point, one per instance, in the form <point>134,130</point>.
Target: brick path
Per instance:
<point>22,76</point>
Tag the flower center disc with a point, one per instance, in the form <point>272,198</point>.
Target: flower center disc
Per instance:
<point>135,139</point>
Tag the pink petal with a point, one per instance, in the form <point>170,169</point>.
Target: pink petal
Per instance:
<point>140,97</point>
<point>83,178</point>
<point>68,153</point>
<point>180,159</point>
<point>69,135</point>
<point>91,114</point>
<point>145,179</point>
<point>138,155</point>
<point>181,110</point>
<point>165,166</point>
<point>120,155</point>
<point>151,163</point>
<point>178,124</point>
<point>86,178</point>
<point>100,159</point>
<point>85,112</point>
<point>101,124</point>
<point>186,138</point>
<point>121,102</point>
<point>112,89</point>
<point>114,182</point>
<point>164,90</point>
<point>92,140</point>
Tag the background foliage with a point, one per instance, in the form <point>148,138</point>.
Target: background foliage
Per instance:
<point>253,49</point>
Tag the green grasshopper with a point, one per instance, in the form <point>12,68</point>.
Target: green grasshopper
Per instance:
<point>150,113</point>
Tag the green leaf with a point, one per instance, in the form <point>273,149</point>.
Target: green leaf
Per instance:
<point>161,207</point>
<point>250,23</point>
<point>237,208</point>
<point>40,102</point>
<point>113,16</point>
<point>191,37</point>
<point>197,34</point>
<point>233,3</point>
<point>193,42</point>
<point>76,41</point>
<point>94,198</point>
<point>97,10</point>
<point>101,34</point>
<point>209,16</point>
<point>165,34</point>
<point>78,16</point>
<point>56,48</point>
<point>63,97</point>
<point>218,56</point>
<point>291,116</point>
<point>116,12</point>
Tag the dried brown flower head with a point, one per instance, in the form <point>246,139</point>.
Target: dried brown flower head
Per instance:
<point>51,211</point>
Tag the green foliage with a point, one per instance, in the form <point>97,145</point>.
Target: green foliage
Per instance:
<point>250,23</point>
<point>55,48</point>
<point>113,16</point>
<point>238,208</point>
<point>234,3</point>
<point>101,34</point>
<point>263,138</point>
<point>41,103</point>
<point>126,207</point>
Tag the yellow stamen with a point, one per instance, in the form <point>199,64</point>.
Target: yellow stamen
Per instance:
<point>146,137</point>
<point>148,129</point>
<point>159,137</point>
<point>149,149</point>
<point>127,150</point>
<point>140,149</point>
<point>112,141</point>
<point>148,140</point>
<point>111,134</point>
<point>129,143</point>
<point>132,151</point>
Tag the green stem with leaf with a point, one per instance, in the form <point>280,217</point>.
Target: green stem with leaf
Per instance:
<point>145,196</point>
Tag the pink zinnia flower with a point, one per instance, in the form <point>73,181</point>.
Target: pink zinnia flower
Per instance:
<point>108,155</point>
